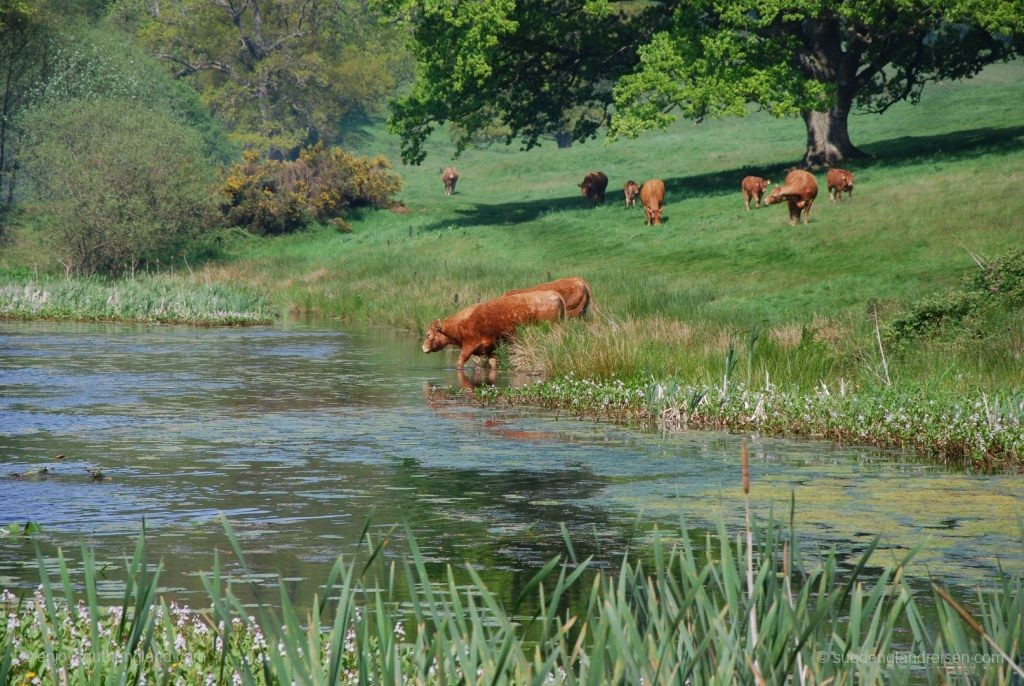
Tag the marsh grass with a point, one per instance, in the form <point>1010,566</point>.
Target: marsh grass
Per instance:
<point>156,299</point>
<point>977,431</point>
<point>747,608</point>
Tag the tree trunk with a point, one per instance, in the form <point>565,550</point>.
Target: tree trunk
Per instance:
<point>828,138</point>
<point>563,139</point>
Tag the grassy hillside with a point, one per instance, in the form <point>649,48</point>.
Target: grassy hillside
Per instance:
<point>942,179</point>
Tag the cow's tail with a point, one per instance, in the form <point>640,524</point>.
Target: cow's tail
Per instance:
<point>611,322</point>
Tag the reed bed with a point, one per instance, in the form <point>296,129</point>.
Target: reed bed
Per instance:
<point>150,298</point>
<point>747,608</point>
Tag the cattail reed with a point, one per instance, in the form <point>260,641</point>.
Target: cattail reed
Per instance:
<point>745,458</point>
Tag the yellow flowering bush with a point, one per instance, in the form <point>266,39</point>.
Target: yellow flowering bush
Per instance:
<point>275,196</point>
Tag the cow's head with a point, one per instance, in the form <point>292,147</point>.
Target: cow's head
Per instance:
<point>436,339</point>
<point>655,215</point>
<point>775,197</point>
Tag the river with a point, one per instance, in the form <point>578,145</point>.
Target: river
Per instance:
<point>297,433</point>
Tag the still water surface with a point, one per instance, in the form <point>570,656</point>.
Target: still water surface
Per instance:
<point>296,433</point>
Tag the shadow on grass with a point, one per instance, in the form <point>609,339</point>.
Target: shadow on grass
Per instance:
<point>892,153</point>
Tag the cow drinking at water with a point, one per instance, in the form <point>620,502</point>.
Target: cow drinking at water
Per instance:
<point>479,328</point>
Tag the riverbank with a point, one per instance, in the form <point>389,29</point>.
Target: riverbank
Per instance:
<point>976,432</point>
<point>714,293</point>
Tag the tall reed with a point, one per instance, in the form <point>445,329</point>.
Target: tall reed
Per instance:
<point>681,616</point>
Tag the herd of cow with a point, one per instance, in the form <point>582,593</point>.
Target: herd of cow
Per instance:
<point>478,329</point>
<point>799,189</point>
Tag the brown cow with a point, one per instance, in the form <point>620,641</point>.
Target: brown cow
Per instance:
<point>652,195</point>
<point>632,190</point>
<point>450,176</point>
<point>753,187</point>
<point>479,328</point>
<point>799,190</point>
<point>573,289</point>
<point>593,187</point>
<point>839,180</point>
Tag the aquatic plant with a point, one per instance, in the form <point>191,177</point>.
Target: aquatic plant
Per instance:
<point>970,430</point>
<point>746,609</point>
<point>156,298</point>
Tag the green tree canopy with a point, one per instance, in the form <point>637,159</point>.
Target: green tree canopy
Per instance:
<point>281,72</point>
<point>635,64</point>
<point>537,67</point>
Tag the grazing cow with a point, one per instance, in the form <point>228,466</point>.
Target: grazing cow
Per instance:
<point>839,180</point>
<point>450,176</point>
<point>753,187</point>
<point>593,187</point>
<point>652,195</point>
<point>799,190</point>
<point>479,328</point>
<point>573,289</point>
<point>632,190</point>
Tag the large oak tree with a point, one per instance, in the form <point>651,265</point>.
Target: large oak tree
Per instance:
<point>633,65</point>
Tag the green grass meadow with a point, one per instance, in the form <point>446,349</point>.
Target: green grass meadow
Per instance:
<point>942,181</point>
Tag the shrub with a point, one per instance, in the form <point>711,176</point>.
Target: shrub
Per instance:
<point>124,185</point>
<point>270,196</point>
<point>997,286</point>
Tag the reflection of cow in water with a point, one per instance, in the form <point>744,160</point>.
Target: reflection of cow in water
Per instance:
<point>481,377</point>
<point>452,405</point>
<point>479,328</point>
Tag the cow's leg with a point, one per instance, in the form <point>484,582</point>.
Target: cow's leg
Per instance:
<point>746,201</point>
<point>492,361</point>
<point>464,354</point>
<point>807,212</point>
<point>794,213</point>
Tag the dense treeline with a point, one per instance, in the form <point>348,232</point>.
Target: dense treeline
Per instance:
<point>120,122</point>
